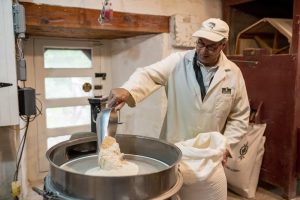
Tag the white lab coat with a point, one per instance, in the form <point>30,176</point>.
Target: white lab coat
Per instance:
<point>224,109</point>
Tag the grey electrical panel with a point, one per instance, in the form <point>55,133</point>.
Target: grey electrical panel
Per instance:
<point>21,70</point>
<point>19,20</point>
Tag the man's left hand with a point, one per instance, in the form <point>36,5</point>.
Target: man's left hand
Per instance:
<point>225,157</point>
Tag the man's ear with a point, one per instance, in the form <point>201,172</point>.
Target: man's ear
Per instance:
<point>223,45</point>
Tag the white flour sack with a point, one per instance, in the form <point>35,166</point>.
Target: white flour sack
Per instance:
<point>203,173</point>
<point>242,170</point>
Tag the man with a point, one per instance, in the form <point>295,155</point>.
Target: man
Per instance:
<point>206,92</point>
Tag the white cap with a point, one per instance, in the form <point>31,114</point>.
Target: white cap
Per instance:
<point>213,29</point>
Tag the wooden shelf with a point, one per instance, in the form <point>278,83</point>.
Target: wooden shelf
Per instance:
<point>70,22</point>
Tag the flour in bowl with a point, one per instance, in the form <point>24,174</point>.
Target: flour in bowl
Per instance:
<point>110,156</point>
<point>111,161</point>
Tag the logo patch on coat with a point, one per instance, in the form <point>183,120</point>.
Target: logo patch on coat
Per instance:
<point>226,90</point>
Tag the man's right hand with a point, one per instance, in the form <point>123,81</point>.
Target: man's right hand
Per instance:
<point>117,98</point>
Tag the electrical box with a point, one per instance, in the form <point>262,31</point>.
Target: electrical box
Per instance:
<point>19,20</point>
<point>27,104</point>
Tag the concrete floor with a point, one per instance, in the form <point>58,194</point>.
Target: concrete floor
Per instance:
<point>261,194</point>
<point>264,192</point>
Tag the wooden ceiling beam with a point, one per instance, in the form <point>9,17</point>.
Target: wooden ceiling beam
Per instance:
<point>58,21</point>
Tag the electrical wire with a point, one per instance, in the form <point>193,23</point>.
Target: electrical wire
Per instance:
<point>21,150</point>
<point>27,119</point>
<point>20,53</point>
<point>20,153</point>
<point>39,109</point>
<point>24,118</point>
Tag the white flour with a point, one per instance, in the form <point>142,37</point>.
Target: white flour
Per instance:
<point>127,169</point>
<point>111,161</point>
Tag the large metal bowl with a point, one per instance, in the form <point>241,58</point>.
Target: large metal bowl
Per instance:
<point>137,187</point>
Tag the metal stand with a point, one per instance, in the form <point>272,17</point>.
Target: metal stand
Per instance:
<point>96,105</point>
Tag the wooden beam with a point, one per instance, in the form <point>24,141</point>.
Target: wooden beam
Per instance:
<point>58,21</point>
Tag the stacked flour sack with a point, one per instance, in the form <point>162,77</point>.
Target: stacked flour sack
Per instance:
<point>243,169</point>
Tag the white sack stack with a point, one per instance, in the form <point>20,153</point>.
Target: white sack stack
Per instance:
<point>242,170</point>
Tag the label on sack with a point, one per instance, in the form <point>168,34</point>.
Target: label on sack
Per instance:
<point>243,151</point>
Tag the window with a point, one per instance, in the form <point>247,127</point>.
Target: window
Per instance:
<point>67,58</point>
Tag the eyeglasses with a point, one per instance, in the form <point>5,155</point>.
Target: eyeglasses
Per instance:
<point>209,47</point>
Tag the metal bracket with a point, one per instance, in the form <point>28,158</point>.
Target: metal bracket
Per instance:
<point>101,75</point>
<point>5,84</point>
<point>46,194</point>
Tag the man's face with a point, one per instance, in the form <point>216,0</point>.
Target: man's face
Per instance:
<point>208,51</point>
